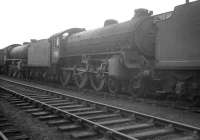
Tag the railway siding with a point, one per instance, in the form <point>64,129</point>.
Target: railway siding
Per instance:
<point>100,119</point>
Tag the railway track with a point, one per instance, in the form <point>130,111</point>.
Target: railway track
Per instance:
<point>86,119</point>
<point>8,131</point>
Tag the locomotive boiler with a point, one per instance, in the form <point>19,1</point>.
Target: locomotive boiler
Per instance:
<point>138,33</point>
<point>2,61</point>
<point>18,52</point>
<point>13,56</point>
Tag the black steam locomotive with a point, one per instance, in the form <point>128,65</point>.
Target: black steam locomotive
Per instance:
<point>147,55</point>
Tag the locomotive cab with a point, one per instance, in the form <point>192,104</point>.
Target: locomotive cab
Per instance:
<point>55,42</point>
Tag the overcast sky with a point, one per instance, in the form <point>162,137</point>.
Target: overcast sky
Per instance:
<point>22,20</point>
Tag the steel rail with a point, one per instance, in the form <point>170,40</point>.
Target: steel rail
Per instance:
<point>2,136</point>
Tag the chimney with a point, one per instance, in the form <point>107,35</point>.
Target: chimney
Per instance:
<point>33,40</point>
<point>25,43</point>
<point>187,1</point>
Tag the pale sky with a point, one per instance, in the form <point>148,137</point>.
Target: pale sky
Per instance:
<point>22,20</point>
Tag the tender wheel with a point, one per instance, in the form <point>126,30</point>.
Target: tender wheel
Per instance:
<point>114,85</point>
<point>31,75</point>
<point>35,75</point>
<point>19,75</point>
<point>147,87</point>
<point>40,76</point>
<point>10,73</point>
<point>14,74</point>
<point>65,77</point>
<point>80,79</point>
<point>97,82</point>
<point>45,76</point>
<point>26,75</point>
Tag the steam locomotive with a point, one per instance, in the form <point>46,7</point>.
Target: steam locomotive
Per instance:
<point>148,55</point>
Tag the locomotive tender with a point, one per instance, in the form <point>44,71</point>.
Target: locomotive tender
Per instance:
<point>146,55</point>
